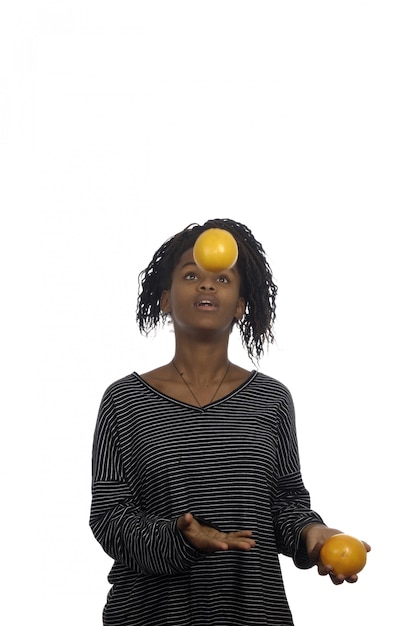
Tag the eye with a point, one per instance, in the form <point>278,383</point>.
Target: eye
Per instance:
<point>223,279</point>
<point>190,276</point>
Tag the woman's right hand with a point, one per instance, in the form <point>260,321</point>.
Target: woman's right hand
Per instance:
<point>208,539</point>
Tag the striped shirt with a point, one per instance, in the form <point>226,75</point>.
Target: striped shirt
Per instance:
<point>234,464</point>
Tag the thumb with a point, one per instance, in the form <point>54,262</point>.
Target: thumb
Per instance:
<point>184,521</point>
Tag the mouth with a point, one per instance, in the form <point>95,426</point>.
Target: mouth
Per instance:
<point>206,303</point>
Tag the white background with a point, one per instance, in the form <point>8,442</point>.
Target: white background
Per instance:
<point>121,123</point>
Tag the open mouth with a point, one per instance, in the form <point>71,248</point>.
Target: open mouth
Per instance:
<point>206,304</point>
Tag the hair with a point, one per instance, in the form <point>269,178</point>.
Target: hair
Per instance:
<point>257,285</point>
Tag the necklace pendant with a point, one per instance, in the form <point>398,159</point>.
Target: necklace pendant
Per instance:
<point>181,375</point>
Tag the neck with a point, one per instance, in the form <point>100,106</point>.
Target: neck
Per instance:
<point>202,366</point>
<point>204,393</point>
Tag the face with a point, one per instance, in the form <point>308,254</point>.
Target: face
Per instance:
<point>200,300</point>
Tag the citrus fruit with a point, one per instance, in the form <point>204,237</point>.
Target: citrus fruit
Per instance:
<point>215,250</point>
<point>345,554</point>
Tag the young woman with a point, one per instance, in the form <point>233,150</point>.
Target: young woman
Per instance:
<point>196,476</point>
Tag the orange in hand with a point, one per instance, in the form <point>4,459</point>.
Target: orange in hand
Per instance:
<point>345,554</point>
<point>215,250</point>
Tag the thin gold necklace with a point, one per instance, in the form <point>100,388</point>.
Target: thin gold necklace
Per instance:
<point>190,389</point>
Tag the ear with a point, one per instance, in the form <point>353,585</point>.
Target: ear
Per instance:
<point>240,309</point>
<point>165,302</point>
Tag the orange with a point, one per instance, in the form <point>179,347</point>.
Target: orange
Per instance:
<point>215,250</point>
<point>345,554</point>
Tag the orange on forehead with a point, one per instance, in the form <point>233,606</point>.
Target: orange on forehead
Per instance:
<point>215,250</point>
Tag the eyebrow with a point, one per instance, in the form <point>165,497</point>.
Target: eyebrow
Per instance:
<point>192,263</point>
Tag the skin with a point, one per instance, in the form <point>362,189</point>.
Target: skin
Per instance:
<point>201,355</point>
<point>201,333</point>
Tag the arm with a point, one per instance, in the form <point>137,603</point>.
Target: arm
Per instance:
<point>291,502</point>
<point>142,542</point>
<point>300,532</point>
<point>291,514</point>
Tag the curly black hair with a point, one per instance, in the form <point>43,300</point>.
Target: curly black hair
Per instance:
<point>257,285</point>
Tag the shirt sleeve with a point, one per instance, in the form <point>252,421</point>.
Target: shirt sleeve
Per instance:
<point>291,506</point>
<point>142,542</point>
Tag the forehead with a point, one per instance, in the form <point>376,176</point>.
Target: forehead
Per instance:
<point>187,260</point>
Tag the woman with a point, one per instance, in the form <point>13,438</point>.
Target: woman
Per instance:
<point>196,476</point>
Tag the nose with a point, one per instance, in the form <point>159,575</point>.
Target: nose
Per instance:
<point>207,283</point>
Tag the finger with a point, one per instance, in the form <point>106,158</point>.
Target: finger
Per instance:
<point>184,521</point>
<point>337,580</point>
<point>214,545</point>
<point>205,543</point>
<point>241,545</point>
<point>242,537</point>
<point>324,570</point>
<point>315,552</point>
<point>352,579</point>
<point>241,533</point>
<point>248,542</point>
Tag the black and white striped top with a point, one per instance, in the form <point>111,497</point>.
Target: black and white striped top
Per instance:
<point>233,463</point>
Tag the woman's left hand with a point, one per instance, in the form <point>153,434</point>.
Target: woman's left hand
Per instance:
<point>314,536</point>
